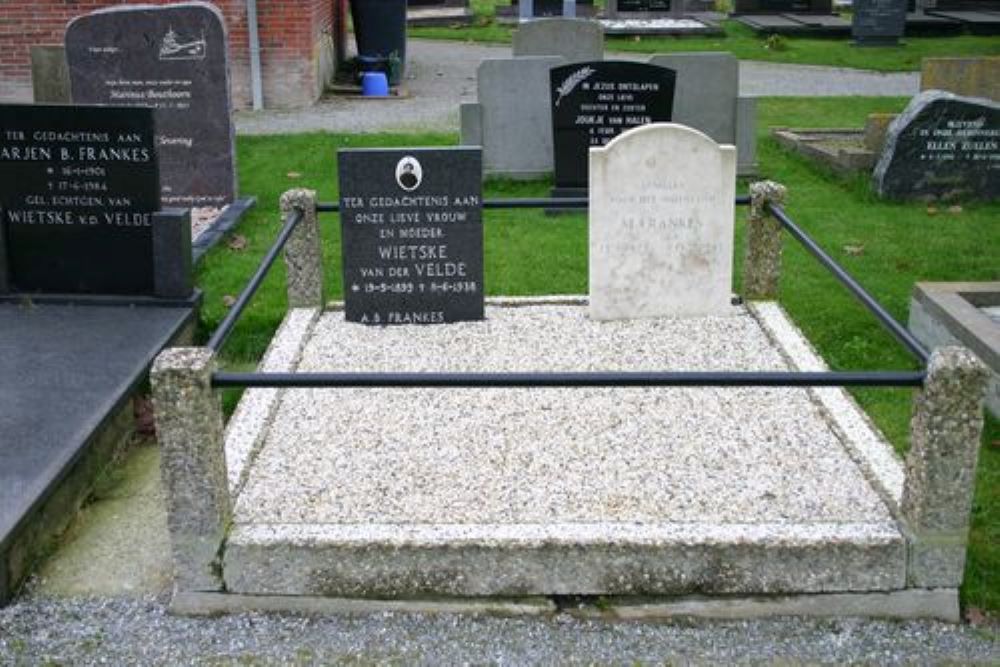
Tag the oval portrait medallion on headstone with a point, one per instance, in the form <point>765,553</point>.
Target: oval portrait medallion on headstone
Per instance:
<point>409,173</point>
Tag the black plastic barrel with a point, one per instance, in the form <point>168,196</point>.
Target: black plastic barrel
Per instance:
<point>380,31</point>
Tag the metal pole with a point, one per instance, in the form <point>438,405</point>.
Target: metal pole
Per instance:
<point>254,38</point>
<point>598,379</point>
<point>898,331</point>
<point>225,328</point>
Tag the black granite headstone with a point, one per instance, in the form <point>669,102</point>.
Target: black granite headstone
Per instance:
<point>784,6</point>
<point>78,187</point>
<point>644,6</point>
<point>594,102</point>
<point>942,147</point>
<point>172,58</point>
<point>412,233</point>
<point>878,22</point>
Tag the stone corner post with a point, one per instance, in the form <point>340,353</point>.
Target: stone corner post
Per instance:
<point>945,433</point>
<point>303,254</point>
<point>762,262</point>
<point>189,428</point>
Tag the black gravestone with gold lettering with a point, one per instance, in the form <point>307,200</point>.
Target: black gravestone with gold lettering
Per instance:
<point>78,190</point>
<point>412,231</point>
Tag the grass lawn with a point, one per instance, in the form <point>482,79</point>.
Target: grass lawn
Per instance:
<point>527,253</point>
<point>743,43</point>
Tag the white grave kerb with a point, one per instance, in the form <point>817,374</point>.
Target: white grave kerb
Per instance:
<point>662,206</point>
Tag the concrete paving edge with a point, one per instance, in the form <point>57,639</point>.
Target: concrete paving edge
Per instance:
<point>190,603</point>
<point>941,604</point>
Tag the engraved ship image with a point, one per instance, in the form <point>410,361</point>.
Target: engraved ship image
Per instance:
<point>171,49</point>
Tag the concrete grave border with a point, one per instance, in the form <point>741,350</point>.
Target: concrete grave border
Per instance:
<point>949,314</point>
<point>929,495</point>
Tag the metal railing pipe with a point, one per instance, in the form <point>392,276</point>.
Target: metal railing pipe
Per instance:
<point>897,330</point>
<point>222,332</point>
<point>588,379</point>
<point>523,202</point>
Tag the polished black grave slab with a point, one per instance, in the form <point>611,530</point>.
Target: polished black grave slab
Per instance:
<point>64,370</point>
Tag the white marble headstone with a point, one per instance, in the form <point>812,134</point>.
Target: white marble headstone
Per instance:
<point>661,224</point>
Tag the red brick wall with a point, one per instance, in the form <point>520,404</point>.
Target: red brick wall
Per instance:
<point>293,36</point>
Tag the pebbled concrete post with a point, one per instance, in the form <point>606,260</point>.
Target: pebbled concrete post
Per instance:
<point>303,255</point>
<point>762,262</point>
<point>945,433</point>
<point>189,428</point>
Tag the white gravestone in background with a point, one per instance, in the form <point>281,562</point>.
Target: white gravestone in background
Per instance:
<point>662,202</point>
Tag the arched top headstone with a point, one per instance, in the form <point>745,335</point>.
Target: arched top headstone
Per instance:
<point>173,58</point>
<point>662,203</point>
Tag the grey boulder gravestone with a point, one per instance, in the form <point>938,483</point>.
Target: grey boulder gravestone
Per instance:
<point>412,230</point>
<point>576,40</point>
<point>661,224</point>
<point>172,58</point>
<point>942,147</point>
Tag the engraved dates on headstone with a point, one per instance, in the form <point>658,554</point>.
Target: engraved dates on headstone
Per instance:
<point>78,186</point>
<point>172,58</point>
<point>661,237</point>
<point>594,102</point>
<point>411,222</point>
<point>942,147</point>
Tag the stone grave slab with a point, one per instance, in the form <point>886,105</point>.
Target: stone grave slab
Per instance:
<point>661,238</point>
<point>688,25</point>
<point>966,314</point>
<point>78,189</point>
<point>597,491</point>
<point>594,102</point>
<point>575,40</point>
<point>878,22</point>
<point>827,22</point>
<point>412,235</point>
<point>74,369</point>
<point>174,59</point>
<point>942,146</point>
<point>758,7</point>
<point>977,22</point>
<point>771,22</point>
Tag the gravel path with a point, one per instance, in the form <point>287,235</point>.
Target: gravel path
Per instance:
<point>443,74</point>
<point>121,631</point>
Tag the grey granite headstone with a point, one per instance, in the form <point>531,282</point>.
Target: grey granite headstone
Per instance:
<point>516,117</point>
<point>412,231</point>
<point>576,40</point>
<point>78,189</point>
<point>706,89</point>
<point>172,58</point>
<point>878,22</point>
<point>942,147</point>
<point>49,75</point>
<point>746,136</point>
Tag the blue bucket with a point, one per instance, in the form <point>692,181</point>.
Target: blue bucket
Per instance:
<point>374,84</point>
